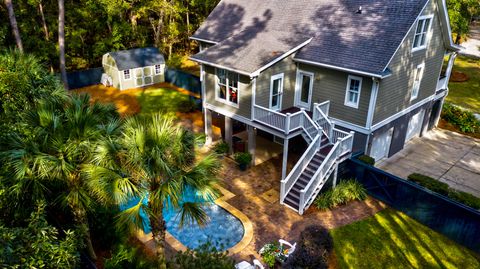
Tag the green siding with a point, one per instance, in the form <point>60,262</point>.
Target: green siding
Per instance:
<point>288,68</point>
<point>395,91</point>
<point>331,85</point>
<point>244,89</point>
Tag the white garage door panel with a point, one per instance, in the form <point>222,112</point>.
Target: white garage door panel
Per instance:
<point>415,125</point>
<point>381,145</point>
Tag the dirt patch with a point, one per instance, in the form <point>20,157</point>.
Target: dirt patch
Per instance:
<point>458,76</point>
<point>125,101</point>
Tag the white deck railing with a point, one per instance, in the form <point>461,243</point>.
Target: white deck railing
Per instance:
<point>341,147</point>
<point>270,118</point>
<point>320,116</point>
<point>287,183</point>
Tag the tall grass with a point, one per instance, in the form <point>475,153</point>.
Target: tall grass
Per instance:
<point>344,192</point>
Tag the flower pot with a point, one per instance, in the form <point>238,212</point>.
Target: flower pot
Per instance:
<point>243,166</point>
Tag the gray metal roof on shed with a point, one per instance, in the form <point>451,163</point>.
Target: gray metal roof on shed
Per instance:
<point>341,37</point>
<point>134,58</point>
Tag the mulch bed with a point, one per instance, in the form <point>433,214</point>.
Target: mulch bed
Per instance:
<point>448,126</point>
<point>458,77</point>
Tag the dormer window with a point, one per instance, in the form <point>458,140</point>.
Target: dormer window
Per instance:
<point>421,32</point>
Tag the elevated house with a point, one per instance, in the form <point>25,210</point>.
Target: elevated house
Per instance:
<point>134,68</point>
<point>341,75</point>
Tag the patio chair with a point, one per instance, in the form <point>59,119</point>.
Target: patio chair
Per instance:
<point>247,265</point>
<point>291,248</point>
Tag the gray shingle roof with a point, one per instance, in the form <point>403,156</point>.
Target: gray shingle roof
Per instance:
<point>133,58</point>
<point>248,51</point>
<point>341,37</point>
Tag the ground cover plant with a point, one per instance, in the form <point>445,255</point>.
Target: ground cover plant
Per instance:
<point>344,192</point>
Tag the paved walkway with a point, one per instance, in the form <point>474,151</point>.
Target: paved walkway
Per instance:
<point>256,195</point>
<point>472,45</point>
<point>450,157</point>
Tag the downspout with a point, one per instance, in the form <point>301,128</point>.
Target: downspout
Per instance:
<point>371,109</point>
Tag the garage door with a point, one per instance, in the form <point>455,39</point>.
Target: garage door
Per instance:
<point>381,145</point>
<point>415,125</point>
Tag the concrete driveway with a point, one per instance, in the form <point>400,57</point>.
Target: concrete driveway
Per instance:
<point>447,156</point>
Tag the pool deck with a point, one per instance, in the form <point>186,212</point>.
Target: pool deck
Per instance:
<point>256,195</point>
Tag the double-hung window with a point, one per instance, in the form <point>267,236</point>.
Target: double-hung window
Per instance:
<point>417,81</point>
<point>158,69</point>
<point>421,32</point>
<point>227,87</point>
<point>126,74</point>
<point>354,86</point>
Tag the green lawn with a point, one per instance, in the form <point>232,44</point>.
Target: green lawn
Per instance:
<point>391,239</point>
<point>162,100</point>
<point>466,94</point>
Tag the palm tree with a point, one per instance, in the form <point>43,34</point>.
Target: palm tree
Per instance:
<point>155,160</point>
<point>13,24</point>
<point>61,41</point>
<point>48,164</point>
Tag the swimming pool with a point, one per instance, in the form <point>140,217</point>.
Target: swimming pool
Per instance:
<point>223,229</point>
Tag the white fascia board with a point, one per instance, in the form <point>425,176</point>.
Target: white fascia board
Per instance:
<point>203,40</point>
<point>283,56</point>
<point>348,70</point>
<point>220,66</point>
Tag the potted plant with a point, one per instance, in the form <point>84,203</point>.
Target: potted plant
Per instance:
<point>221,148</point>
<point>243,159</point>
<point>271,253</point>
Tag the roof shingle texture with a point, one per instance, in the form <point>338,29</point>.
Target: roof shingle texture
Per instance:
<point>341,37</point>
<point>134,58</point>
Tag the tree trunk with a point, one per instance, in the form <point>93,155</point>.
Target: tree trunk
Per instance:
<point>458,39</point>
<point>61,41</point>
<point>13,24</point>
<point>44,23</point>
<point>159,228</point>
<point>80,217</point>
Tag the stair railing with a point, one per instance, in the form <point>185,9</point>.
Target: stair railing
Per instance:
<point>287,183</point>
<point>320,116</point>
<point>341,147</point>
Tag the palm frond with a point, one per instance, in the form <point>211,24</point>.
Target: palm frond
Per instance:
<point>192,212</point>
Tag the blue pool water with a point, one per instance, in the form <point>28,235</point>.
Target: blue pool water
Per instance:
<point>223,229</point>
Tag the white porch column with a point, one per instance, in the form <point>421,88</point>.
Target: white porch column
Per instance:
<point>229,133</point>
<point>285,158</point>
<point>252,143</point>
<point>335,175</point>
<point>208,126</point>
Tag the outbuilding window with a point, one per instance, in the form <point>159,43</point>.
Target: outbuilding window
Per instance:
<point>158,69</point>
<point>421,32</point>
<point>126,74</point>
<point>354,86</point>
<point>227,87</point>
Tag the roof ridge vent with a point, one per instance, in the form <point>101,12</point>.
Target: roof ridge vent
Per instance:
<point>359,10</point>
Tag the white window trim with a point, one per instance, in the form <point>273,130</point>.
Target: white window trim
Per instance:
<point>129,73</point>
<point>155,69</point>
<point>273,78</point>
<point>428,34</point>
<point>298,90</point>
<point>347,102</point>
<point>227,93</point>
<point>412,96</point>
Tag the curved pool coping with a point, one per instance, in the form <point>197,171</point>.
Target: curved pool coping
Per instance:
<point>226,195</point>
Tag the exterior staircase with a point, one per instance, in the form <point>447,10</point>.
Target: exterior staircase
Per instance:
<point>328,146</point>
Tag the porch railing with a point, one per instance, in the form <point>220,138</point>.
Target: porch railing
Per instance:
<point>442,83</point>
<point>320,116</point>
<point>342,147</point>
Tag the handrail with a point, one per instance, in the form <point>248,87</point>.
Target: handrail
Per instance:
<point>327,163</point>
<point>312,123</point>
<point>287,183</point>
<point>271,118</point>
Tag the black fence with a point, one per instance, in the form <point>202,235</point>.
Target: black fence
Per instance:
<point>183,80</point>
<point>84,78</point>
<point>454,220</point>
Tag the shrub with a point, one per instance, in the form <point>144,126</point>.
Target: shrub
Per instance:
<point>443,189</point>
<point>221,148</point>
<point>367,159</point>
<point>429,183</point>
<point>243,158</point>
<point>313,249</point>
<point>464,198</point>
<point>463,119</point>
<point>205,256</point>
<point>187,105</point>
<point>127,256</point>
<point>270,253</point>
<point>200,139</point>
<point>344,192</point>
